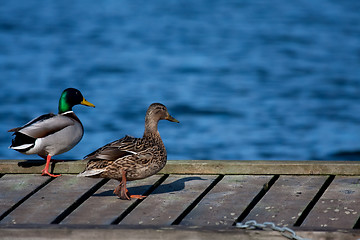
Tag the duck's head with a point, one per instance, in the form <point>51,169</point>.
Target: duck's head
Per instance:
<point>158,111</point>
<point>71,97</point>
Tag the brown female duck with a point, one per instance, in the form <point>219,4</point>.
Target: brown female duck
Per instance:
<point>131,158</point>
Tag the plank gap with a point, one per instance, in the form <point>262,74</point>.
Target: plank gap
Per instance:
<point>79,201</point>
<point>16,205</point>
<point>197,200</point>
<point>256,199</point>
<point>1,175</point>
<point>357,224</point>
<point>312,203</point>
<point>138,201</point>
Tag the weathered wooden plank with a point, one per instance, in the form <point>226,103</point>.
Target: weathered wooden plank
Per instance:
<point>45,205</point>
<point>168,201</point>
<point>206,167</point>
<point>156,233</point>
<point>226,201</point>
<point>15,187</point>
<point>261,167</point>
<point>35,166</point>
<point>286,199</point>
<point>339,206</point>
<point>104,207</point>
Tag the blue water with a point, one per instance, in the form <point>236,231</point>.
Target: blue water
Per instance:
<point>247,79</point>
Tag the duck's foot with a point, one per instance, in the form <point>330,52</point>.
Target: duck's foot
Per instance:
<point>122,192</point>
<point>124,195</point>
<point>45,172</point>
<point>117,189</point>
<point>138,196</point>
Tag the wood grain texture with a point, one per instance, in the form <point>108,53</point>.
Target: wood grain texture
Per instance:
<point>226,201</point>
<point>45,205</point>
<point>286,199</point>
<point>339,206</point>
<point>168,201</point>
<point>156,233</point>
<point>104,207</point>
<point>337,209</point>
<point>204,167</point>
<point>13,188</point>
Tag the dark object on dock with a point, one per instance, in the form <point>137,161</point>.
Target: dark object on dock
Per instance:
<point>201,199</point>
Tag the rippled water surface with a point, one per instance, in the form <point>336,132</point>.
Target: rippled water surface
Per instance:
<point>247,79</point>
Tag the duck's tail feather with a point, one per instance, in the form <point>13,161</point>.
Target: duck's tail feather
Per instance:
<point>90,173</point>
<point>22,142</point>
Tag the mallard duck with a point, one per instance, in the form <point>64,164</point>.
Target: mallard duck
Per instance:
<point>131,158</point>
<point>51,134</point>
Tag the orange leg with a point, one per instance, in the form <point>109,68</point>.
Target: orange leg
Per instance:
<point>124,193</point>
<point>45,171</point>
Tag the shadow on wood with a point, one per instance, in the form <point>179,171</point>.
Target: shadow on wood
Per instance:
<point>175,186</point>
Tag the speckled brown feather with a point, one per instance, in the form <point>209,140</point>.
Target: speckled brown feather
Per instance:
<point>139,157</point>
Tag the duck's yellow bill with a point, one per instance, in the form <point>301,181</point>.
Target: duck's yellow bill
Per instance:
<point>86,103</point>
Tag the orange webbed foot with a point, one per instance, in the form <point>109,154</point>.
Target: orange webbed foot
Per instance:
<point>126,196</point>
<point>138,196</point>
<point>44,172</point>
<point>122,192</point>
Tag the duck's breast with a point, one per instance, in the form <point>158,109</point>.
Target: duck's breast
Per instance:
<point>61,141</point>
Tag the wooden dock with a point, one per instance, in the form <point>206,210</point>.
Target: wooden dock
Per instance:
<point>187,200</point>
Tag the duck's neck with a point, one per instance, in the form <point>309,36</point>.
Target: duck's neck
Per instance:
<point>64,106</point>
<point>151,128</point>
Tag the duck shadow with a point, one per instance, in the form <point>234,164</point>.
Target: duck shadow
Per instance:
<point>172,187</point>
<point>36,163</point>
<point>31,163</point>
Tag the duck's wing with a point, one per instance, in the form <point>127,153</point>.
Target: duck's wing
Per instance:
<point>38,119</point>
<point>115,150</point>
<point>123,149</point>
<point>44,125</point>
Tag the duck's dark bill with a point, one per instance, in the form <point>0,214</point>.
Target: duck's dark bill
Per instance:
<point>171,119</point>
<point>86,103</point>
